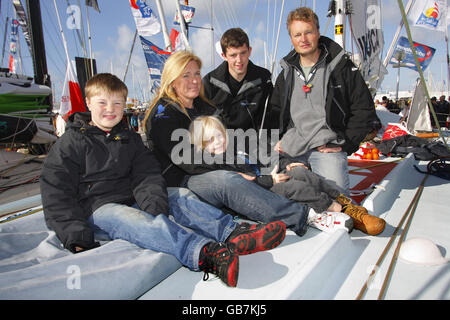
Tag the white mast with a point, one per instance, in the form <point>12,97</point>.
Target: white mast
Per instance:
<point>167,41</point>
<point>339,23</point>
<point>91,73</point>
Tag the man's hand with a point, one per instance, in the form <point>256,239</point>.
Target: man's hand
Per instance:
<point>296,164</point>
<point>325,149</point>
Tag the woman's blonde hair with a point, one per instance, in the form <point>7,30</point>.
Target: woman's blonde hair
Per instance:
<point>203,128</point>
<point>173,68</point>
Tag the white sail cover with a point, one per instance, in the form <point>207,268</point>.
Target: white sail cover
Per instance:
<point>368,35</point>
<point>419,115</point>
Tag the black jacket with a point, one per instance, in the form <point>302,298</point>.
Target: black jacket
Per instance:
<point>164,119</point>
<point>245,110</point>
<point>86,169</point>
<point>349,107</point>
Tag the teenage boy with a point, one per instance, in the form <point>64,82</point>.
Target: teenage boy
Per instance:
<point>239,88</point>
<point>100,176</point>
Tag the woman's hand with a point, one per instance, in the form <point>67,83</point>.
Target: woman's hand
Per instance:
<point>246,176</point>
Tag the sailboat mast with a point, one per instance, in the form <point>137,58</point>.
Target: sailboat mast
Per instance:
<point>339,23</point>
<point>162,18</point>
<point>41,75</point>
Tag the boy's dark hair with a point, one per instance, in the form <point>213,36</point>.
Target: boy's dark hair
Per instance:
<point>234,37</point>
<point>105,82</point>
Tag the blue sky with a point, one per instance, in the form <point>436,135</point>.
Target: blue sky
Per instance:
<point>113,29</point>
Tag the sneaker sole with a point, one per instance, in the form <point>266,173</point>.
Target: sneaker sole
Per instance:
<point>264,239</point>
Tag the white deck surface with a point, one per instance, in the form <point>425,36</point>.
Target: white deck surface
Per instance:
<point>336,266</point>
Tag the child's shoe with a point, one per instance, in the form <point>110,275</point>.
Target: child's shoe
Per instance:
<point>362,220</point>
<point>251,238</point>
<point>329,221</point>
<point>221,260</point>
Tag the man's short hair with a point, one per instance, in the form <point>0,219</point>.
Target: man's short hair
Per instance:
<point>105,82</point>
<point>234,37</point>
<point>302,14</point>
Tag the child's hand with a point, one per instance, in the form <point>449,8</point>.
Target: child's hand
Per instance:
<point>296,164</point>
<point>278,177</point>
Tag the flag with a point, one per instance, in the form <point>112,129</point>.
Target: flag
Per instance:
<point>93,4</point>
<point>13,45</point>
<point>155,57</point>
<point>177,42</point>
<point>424,54</point>
<point>430,14</point>
<point>71,97</point>
<point>147,23</point>
<point>22,18</point>
<point>187,12</point>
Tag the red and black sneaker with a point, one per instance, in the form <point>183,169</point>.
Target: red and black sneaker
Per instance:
<point>221,260</point>
<point>251,238</point>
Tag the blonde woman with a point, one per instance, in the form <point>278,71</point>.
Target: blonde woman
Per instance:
<point>179,102</point>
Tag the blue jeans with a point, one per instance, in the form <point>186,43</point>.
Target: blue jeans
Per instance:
<point>195,224</point>
<point>226,188</point>
<point>333,167</point>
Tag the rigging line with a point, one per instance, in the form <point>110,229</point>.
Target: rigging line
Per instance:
<point>55,31</point>
<point>400,241</point>
<point>391,240</point>
<point>253,15</point>
<point>77,30</point>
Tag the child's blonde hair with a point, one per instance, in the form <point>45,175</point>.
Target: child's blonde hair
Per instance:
<point>105,83</point>
<point>203,129</point>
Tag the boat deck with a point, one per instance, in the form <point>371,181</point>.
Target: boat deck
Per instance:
<point>338,265</point>
<point>318,265</point>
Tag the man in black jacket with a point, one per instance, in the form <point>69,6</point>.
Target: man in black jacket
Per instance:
<point>325,108</point>
<point>100,176</point>
<point>239,88</point>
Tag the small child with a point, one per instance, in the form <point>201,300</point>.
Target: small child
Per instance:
<point>293,180</point>
<point>99,176</point>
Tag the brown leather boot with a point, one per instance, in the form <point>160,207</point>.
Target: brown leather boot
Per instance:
<point>362,220</point>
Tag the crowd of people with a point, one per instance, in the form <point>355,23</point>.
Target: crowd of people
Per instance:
<point>279,161</point>
<point>441,108</point>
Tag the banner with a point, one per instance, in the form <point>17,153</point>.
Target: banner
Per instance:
<point>430,14</point>
<point>177,42</point>
<point>71,97</point>
<point>147,23</point>
<point>368,35</point>
<point>13,45</point>
<point>155,57</point>
<point>187,12</point>
<point>424,54</point>
<point>22,18</point>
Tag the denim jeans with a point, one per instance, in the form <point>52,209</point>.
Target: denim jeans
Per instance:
<point>191,225</point>
<point>226,188</point>
<point>333,167</point>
